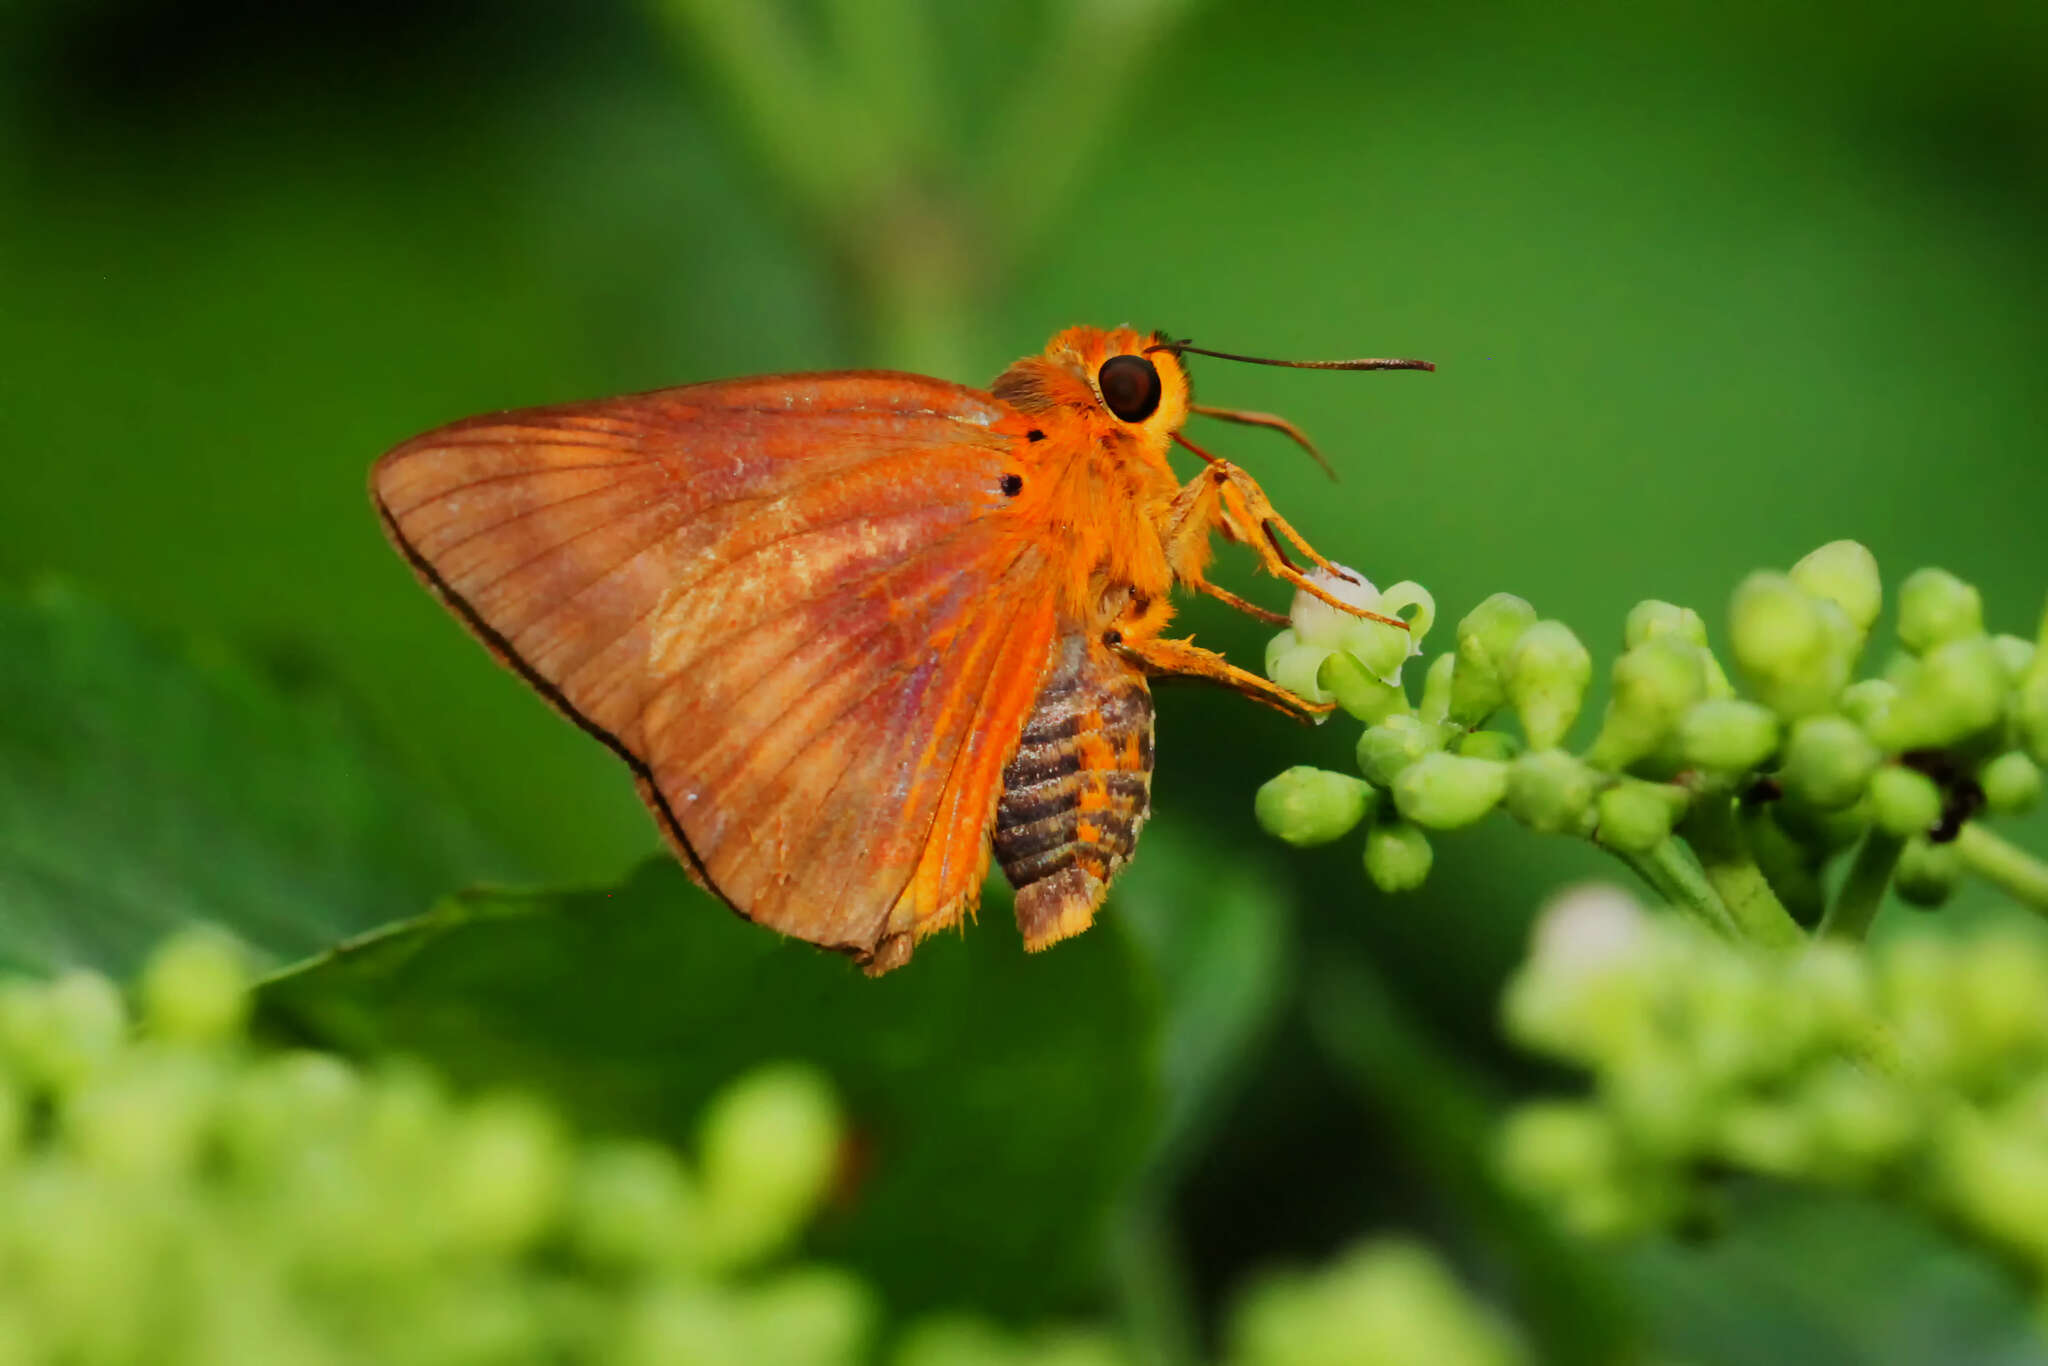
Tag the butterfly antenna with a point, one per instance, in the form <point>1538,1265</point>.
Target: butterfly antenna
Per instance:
<point>1272,421</point>
<point>1189,348</point>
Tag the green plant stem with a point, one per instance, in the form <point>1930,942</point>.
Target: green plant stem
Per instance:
<point>1862,891</point>
<point>819,150</point>
<point>1724,856</point>
<point>1673,875</point>
<point>2005,866</point>
<point>1157,1302</point>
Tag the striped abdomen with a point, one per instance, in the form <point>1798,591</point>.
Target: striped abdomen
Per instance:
<point>1077,792</point>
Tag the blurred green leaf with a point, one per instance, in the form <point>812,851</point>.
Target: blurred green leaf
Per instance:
<point>145,785</point>
<point>1213,923</point>
<point>999,1104</point>
<point>1827,1280</point>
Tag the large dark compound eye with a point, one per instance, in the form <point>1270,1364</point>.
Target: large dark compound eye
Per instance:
<point>1130,386</point>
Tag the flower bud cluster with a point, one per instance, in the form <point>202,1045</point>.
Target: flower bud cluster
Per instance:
<point>1705,1056</point>
<point>1806,758</point>
<point>172,1195</point>
<point>1383,1303</point>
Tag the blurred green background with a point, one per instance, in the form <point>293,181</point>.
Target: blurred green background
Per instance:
<point>1707,285</point>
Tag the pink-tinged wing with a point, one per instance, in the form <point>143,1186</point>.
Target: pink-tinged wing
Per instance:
<point>799,606</point>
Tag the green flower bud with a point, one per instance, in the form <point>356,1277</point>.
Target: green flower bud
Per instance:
<point>1591,969</point>
<point>2030,702</point>
<point>1308,806</point>
<point>2011,783</point>
<point>683,1321</point>
<point>1904,802</point>
<point>633,1205</point>
<point>1995,1179</point>
<point>1928,873</point>
<point>1387,748</point>
<point>196,988</point>
<point>1635,817</point>
<point>506,1174</point>
<point>1786,644</point>
<point>144,1121</point>
<point>1718,685</point>
<point>1956,692</point>
<point>14,1122</point>
<point>1447,791</point>
<point>1381,1302</point>
<point>769,1146</point>
<point>1497,745</point>
<point>1379,648</point>
<point>1656,1098</point>
<point>1357,691</point>
<point>1775,1139</point>
<point>1397,856</point>
<point>1727,735</point>
<point>1834,980</point>
<point>58,1034</point>
<point>1859,1121</point>
<point>1936,607</point>
<point>2030,710</point>
<point>1652,620</point>
<point>1569,1157</point>
<point>2002,982</point>
<point>1867,700</point>
<point>1546,681</point>
<point>812,1316</point>
<point>1550,791</point>
<point>2016,655</point>
<point>1844,573</point>
<point>1486,639</point>
<point>1297,667</point>
<point>1824,832</point>
<point>1828,761</point>
<point>1436,689</point>
<point>1654,684</point>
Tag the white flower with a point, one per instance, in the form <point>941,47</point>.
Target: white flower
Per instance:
<point>1317,630</point>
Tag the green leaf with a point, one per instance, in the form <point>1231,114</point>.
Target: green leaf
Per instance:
<point>1214,928</point>
<point>999,1103</point>
<point>1830,1280</point>
<point>145,785</point>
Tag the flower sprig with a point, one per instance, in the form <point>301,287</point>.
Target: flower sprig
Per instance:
<point>1729,801</point>
<point>1706,1058</point>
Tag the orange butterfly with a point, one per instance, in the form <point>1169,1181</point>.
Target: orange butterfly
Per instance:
<point>849,629</point>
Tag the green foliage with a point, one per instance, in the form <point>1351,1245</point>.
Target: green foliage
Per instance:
<point>630,1006</point>
<point>180,1197</point>
<point>145,785</point>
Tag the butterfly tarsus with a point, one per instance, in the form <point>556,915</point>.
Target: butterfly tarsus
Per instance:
<point>1250,609</point>
<point>1185,659</point>
<point>1224,497</point>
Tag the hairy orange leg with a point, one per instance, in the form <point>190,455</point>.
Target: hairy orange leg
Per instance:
<point>1185,659</point>
<point>1249,608</point>
<point>1225,498</point>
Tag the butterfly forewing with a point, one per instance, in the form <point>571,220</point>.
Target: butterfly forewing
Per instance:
<point>770,596</point>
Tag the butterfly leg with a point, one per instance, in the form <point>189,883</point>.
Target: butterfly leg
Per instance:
<point>1185,659</point>
<point>1224,498</point>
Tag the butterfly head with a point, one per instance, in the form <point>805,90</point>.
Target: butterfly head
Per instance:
<point>1116,377</point>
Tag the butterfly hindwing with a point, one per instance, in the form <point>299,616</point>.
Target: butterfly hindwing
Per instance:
<point>770,596</point>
